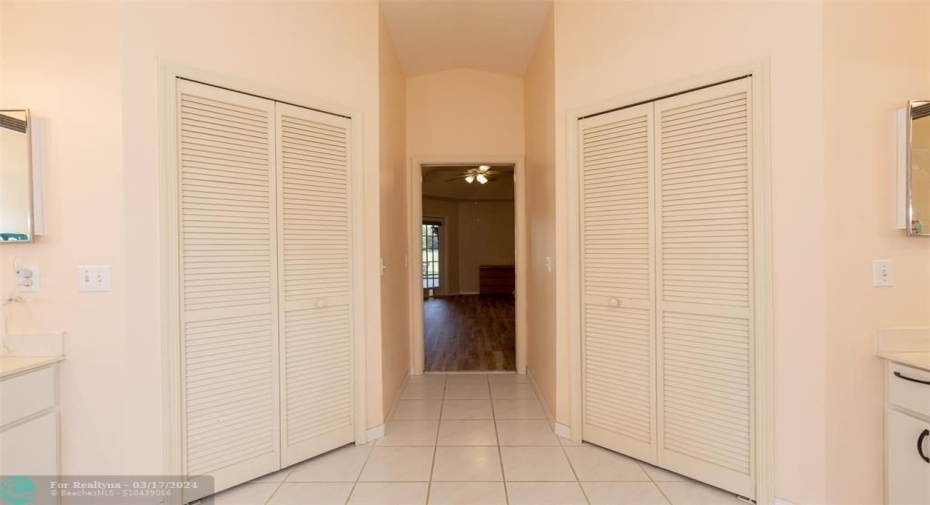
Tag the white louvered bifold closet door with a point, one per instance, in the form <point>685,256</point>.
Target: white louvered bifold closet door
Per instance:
<point>317,380</point>
<point>618,336</point>
<point>705,286</point>
<point>228,284</point>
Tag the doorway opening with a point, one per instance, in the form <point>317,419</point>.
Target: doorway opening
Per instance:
<point>469,230</point>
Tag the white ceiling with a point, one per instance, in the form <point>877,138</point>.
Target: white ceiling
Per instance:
<point>491,35</point>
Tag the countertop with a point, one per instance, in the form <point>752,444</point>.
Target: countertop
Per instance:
<point>12,365</point>
<point>918,359</point>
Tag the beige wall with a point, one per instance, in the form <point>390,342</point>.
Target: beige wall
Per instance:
<point>395,282</point>
<point>876,57</point>
<point>609,49</point>
<point>69,76</point>
<point>477,233</point>
<point>93,73</point>
<point>539,120</point>
<point>464,112</point>
<point>486,237</point>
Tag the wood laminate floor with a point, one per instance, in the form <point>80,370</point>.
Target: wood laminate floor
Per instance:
<point>469,332</point>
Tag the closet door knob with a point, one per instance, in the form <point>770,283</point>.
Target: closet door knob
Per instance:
<point>613,302</point>
<point>320,304</point>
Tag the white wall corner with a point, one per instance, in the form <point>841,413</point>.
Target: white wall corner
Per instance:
<point>375,433</point>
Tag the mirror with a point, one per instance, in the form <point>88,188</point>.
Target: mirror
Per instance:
<point>918,168</point>
<point>16,221</point>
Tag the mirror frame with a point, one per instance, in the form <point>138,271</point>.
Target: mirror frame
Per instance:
<point>909,203</point>
<point>31,190</point>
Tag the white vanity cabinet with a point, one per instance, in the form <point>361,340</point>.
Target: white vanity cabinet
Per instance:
<point>29,420</point>
<point>907,435</point>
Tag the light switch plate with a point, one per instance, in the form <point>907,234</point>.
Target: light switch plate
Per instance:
<point>28,279</point>
<point>94,278</point>
<point>882,273</point>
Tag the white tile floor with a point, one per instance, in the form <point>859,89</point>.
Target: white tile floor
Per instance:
<point>472,439</point>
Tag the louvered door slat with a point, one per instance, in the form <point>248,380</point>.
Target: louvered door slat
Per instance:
<point>704,282</point>
<point>317,381</point>
<point>228,284</point>
<point>617,281</point>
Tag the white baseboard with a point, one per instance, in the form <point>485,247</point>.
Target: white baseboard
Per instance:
<point>543,402</point>
<point>779,501</point>
<point>376,433</point>
<point>562,430</point>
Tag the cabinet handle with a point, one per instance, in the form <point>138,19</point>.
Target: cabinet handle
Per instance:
<point>898,375</point>
<point>613,302</point>
<point>920,445</point>
<point>320,304</point>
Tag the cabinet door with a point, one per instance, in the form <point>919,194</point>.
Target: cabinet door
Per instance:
<point>907,474</point>
<point>617,281</point>
<point>228,284</point>
<point>315,254</point>
<point>31,448</point>
<point>705,285</point>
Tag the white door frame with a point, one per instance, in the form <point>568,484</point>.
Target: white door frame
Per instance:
<point>169,261</point>
<point>415,208</point>
<point>762,227</point>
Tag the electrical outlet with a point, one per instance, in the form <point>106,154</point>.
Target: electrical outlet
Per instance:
<point>28,278</point>
<point>882,273</point>
<point>94,278</point>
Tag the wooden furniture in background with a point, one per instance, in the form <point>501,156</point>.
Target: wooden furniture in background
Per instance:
<point>496,279</point>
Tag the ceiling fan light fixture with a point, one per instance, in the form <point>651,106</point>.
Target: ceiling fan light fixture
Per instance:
<point>471,178</point>
<point>482,179</point>
<point>484,168</point>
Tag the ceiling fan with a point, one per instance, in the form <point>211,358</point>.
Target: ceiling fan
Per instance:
<point>483,174</point>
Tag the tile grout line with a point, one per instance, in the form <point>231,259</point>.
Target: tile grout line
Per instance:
<point>271,497</point>
<point>432,468</point>
<point>362,469</point>
<point>500,451</point>
<point>654,482</point>
<point>373,445</point>
<point>572,466</point>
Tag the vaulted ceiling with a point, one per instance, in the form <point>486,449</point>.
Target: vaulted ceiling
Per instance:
<point>490,35</point>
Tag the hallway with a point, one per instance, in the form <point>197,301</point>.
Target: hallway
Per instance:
<point>472,439</point>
